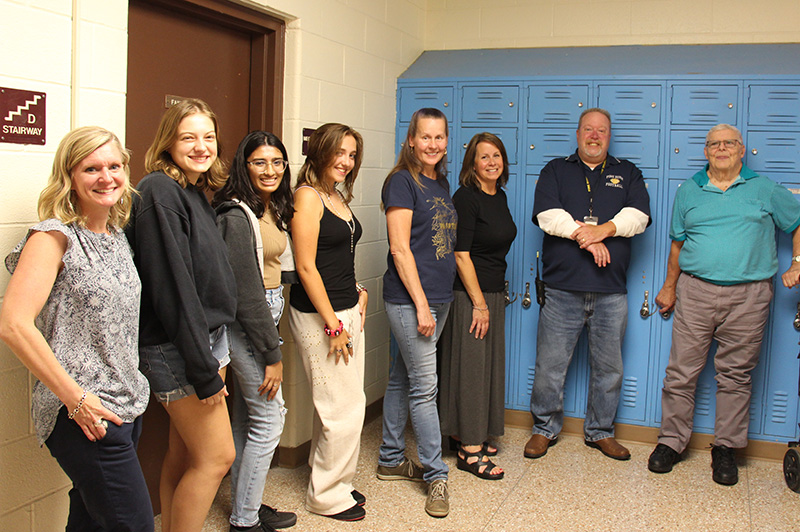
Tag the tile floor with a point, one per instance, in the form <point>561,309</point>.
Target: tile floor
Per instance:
<point>572,488</point>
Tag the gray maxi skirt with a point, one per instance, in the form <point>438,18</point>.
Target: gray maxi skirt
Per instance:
<point>472,372</point>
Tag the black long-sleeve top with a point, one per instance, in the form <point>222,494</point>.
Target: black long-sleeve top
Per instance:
<point>188,288</point>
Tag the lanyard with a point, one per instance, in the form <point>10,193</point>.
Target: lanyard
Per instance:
<point>589,187</point>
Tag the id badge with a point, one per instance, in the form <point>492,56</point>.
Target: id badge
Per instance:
<point>590,220</point>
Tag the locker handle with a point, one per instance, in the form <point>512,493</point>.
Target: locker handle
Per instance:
<point>465,145</point>
<point>644,312</point>
<point>796,321</point>
<point>653,105</point>
<point>446,104</point>
<point>511,104</point>
<point>754,151</point>
<point>580,104</point>
<point>507,297</point>
<point>533,146</point>
<point>526,298</point>
<point>677,150</point>
<point>730,106</point>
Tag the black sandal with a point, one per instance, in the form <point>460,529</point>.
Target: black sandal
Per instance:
<point>475,467</point>
<point>455,444</point>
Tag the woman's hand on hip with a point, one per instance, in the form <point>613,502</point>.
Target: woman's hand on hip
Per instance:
<point>92,417</point>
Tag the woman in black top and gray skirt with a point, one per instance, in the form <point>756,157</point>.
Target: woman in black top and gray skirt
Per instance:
<point>472,345</point>
<point>326,315</point>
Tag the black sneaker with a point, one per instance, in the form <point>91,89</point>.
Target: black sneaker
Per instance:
<point>723,463</point>
<point>259,527</point>
<point>272,517</point>
<point>354,513</point>
<point>358,497</point>
<point>662,459</point>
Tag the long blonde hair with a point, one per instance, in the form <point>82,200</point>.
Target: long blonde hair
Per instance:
<point>158,159</point>
<point>322,147</point>
<point>58,200</point>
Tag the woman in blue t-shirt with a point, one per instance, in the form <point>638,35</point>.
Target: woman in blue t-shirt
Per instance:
<point>417,291</point>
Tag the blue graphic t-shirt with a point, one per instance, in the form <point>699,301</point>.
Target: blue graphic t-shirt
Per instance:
<point>433,237</point>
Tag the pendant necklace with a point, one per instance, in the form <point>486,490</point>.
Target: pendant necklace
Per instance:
<point>351,224</point>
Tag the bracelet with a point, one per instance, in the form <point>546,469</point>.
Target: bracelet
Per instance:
<point>78,407</point>
<point>334,332</point>
<point>482,309</point>
<point>361,288</point>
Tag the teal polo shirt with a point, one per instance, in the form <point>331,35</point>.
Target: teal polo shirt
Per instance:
<point>729,237</point>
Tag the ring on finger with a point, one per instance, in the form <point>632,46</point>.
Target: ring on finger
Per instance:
<point>350,344</point>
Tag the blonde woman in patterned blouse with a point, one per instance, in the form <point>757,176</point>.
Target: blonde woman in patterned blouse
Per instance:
<point>71,315</point>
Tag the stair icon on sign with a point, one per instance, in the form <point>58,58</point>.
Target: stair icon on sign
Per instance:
<point>24,107</point>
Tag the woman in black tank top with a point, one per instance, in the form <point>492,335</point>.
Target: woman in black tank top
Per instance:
<point>326,315</point>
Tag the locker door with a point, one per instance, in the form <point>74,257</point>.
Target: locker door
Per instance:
<point>557,104</point>
<point>631,104</point>
<point>773,105</point>
<point>636,346</point>
<point>773,151</point>
<point>409,99</point>
<point>530,240</point>
<point>704,105</point>
<point>780,413</point>
<point>543,145</point>
<point>642,147</point>
<point>686,149</point>
<point>490,104</point>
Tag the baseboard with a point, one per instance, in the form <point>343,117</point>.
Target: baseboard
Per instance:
<point>768,450</point>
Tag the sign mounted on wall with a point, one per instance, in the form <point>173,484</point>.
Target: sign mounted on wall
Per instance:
<point>22,116</point>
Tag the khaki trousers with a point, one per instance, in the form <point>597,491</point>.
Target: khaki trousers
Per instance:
<point>735,316</point>
<point>337,391</point>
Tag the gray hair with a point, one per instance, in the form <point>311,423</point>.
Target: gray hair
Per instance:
<point>594,110</point>
<point>725,127</point>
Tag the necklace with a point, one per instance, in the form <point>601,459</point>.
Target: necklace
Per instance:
<point>351,223</point>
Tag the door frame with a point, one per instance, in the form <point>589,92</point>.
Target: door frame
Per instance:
<point>267,47</point>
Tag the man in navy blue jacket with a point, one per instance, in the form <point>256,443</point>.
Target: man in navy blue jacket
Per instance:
<point>589,205</point>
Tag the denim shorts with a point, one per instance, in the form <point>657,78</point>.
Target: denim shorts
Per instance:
<point>165,368</point>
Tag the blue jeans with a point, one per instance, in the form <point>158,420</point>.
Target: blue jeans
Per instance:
<point>108,488</point>
<point>412,388</point>
<point>561,321</point>
<point>257,424</point>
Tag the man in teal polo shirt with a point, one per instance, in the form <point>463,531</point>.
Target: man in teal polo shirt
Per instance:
<point>719,281</point>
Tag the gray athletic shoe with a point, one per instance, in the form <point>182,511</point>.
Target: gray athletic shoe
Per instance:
<point>438,503</point>
<point>406,470</point>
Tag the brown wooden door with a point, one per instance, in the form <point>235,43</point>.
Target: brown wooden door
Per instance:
<point>225,54</point>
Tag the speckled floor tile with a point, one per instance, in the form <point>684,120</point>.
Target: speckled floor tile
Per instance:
<point>572,488</point>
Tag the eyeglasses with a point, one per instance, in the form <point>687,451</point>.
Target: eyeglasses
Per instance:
<point>278,164</point>
<point>715,144</point>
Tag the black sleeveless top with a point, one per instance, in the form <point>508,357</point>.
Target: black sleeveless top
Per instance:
<point>335,263</point>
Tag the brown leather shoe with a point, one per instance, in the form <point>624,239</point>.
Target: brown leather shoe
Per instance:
<point>610,448</point>
<point>537,446</point>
